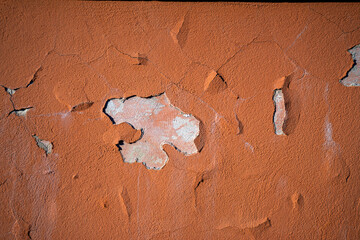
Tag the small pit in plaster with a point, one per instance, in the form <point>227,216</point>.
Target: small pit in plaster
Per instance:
<point>160,122</point>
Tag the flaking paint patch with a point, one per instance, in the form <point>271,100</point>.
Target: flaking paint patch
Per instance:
<point>43,144</point>
<point>160,122</point>
<point>249,45</point>
<point>10,91</point>
<point>280,111</point>
<point>352,78</point>
<point>21,112</point>
<point>214,83</point>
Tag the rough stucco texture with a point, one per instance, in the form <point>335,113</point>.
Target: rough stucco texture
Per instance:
<point>246,117</point>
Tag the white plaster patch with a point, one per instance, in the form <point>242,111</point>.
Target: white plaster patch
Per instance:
<point>115,106</point>
<point>187,132</point>
<point>178,122</point>
<point>161,123</point>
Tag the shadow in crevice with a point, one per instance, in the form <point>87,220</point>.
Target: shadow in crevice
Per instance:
<point>201,138</point>
<point>292,106</point>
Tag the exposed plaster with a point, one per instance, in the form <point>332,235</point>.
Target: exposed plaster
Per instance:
<point>280,111</point>
<point>160,122</point>
<point>43,144</point>
<point>20,112</point>
<point>352,78</point>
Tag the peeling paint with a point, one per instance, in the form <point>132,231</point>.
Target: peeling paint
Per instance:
<point>214,83</point>
<point>160,122</point>
<point>260,223</point>
<point>280,111</point>
<point>82,106</point>
<point>35,76</point>
<point>10,91</point>
<point>180,31</point>
<point>297,200</point>
<point>352,78</point>
<point>20,112</point>
<point>225,64</point>
<point>43,144</point>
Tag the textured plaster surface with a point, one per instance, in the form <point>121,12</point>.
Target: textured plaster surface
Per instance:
<point>64,169</point>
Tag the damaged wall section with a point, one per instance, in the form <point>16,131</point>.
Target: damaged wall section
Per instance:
<point>280,112</point>
<point>352,78</point>
<point>160,122</point>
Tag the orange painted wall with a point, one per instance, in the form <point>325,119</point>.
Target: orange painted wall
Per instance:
<point>60,62</point>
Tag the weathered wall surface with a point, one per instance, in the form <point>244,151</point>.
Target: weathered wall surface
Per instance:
<point>245,117</point>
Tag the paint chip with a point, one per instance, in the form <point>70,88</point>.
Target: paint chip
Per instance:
<point>160,122</point>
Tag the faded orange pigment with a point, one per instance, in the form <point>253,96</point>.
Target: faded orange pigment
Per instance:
<point>236,68</point>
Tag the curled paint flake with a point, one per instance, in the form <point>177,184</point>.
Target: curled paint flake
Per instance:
<point>214,83</point>
<point>160,122</point>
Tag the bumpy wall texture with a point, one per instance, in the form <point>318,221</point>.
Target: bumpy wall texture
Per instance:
<point>148,120</point>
